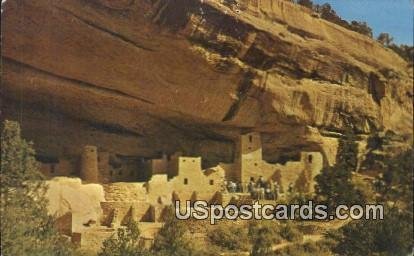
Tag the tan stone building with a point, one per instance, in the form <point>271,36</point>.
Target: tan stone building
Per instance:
<point>249,164</point>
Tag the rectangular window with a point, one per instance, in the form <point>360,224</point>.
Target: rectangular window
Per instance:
<point>185,181</point>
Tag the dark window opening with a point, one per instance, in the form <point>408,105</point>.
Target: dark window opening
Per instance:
<point>47,159</point>
<point>185,181</point>
<point>255,164</point>
<point>250,138</point>
<point>310,158</point>
<point>211,182</point>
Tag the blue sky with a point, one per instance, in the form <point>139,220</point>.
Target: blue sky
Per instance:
<point>392,16</point>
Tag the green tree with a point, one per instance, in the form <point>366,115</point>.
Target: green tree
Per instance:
<point>397,181</point>
<point>348,150</point>
<point>171,240</point>
<point>26,227</point>
<point>405,51</point>
<point>392,236</point>
<point>263,235</point>
<point>127,242</point>
<point>306,3</point>
<point>334,185</point>
<point>361,27</point>
<point>230,237</point>
<point>385,39</point>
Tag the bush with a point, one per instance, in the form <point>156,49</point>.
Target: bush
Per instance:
<point>233,238</point>
<point>392,236</point>
<point>126,242</point>
<point>290,232</point>
<point>307,3</point>
<point>263,235</point>
<point>171,240</point>
<point>334,185</point>
<point>307,249</point>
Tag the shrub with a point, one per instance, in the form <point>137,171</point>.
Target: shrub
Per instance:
<point>230,237</point>
<point>290,232</point>
<point>334,185</point>
<point>389,237</point>
<point>263,235</point>
<point>307,249</point>
<point>126,242</point>
<point>171,239</point>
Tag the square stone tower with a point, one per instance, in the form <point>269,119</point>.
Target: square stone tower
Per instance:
<point>250,156</point>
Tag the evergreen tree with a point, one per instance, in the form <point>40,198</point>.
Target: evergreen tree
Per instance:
<point>171,239</point>
<point>263,235</point>
<point>306,3</point>
<point>126,242</point>
<point>348,151</point>
<point>385,39</point>
<point>334,184</point>
<point>397,181</point>
<point>26,227</point>
<point>392,236</point>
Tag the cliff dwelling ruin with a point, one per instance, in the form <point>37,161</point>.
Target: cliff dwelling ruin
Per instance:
<point>167,179</point>
<point>132,105</point>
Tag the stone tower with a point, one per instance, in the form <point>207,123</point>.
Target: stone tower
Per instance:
<point>89,164</point>
<point>313,164</point>
<point>250,156</point>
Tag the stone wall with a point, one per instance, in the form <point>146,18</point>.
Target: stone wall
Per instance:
<point>193,183</point>
<point>82,200</point>
<point>159,189</point>
<point>62,168</point>
<point>159,166</point>
<point>250,164</point>
<point>125,171</point>
<point>125,191</point>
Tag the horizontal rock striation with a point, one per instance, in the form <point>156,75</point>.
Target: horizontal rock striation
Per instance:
<point>140,77</point>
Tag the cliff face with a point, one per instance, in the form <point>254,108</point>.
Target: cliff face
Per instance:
<point>137,77</point>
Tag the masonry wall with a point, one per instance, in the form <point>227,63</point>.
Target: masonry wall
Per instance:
<point>159,189</point>
<point>70,195</point>
<point>192,183</point>
<point>127,172</point>
<point>62,168</point>
<point>159,166</point>
<point>119,213</point>
<point>231,170</point>
<point>105,174</point>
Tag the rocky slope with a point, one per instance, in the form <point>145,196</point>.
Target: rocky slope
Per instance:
<point>138,77</point>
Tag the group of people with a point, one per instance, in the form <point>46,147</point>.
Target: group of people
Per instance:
<point>262,189</point>
<point>258,189</point>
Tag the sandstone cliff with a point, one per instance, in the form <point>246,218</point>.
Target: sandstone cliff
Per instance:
<point>138,77</point>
